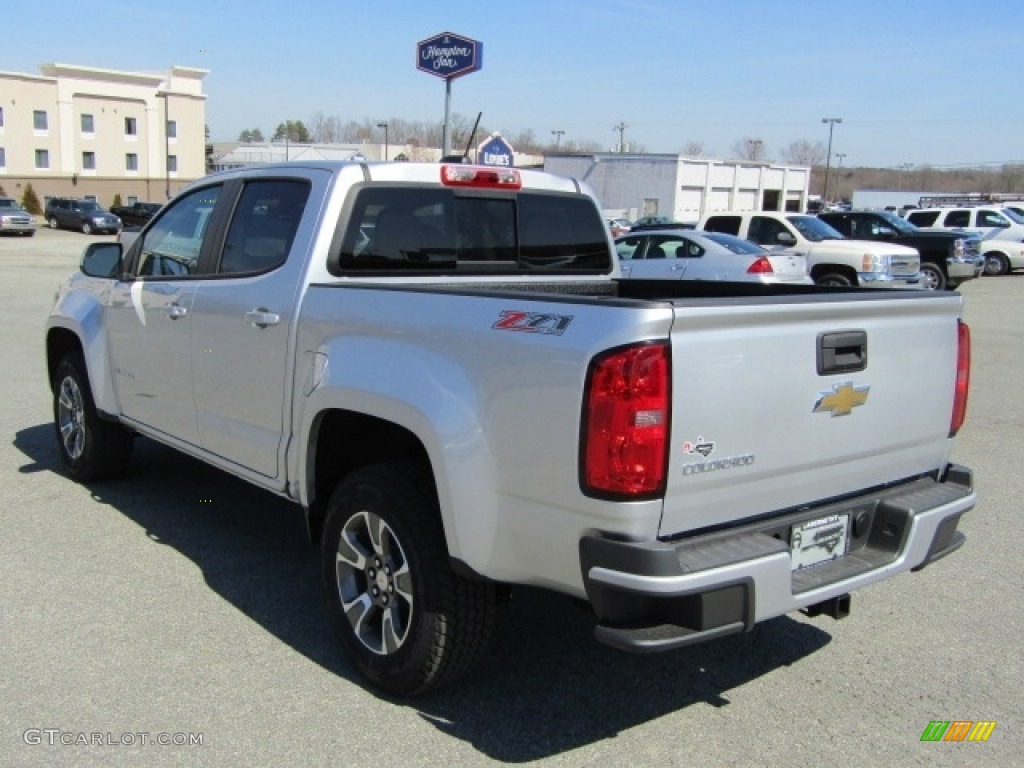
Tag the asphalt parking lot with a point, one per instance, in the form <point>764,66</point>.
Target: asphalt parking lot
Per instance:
<point>182,605</point>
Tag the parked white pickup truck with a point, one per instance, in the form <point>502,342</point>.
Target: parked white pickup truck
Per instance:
<point>439,364</point>
<point>831,258</point>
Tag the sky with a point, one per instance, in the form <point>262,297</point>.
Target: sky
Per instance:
<point>915,82</point>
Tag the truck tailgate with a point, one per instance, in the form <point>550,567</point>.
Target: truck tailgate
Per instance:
<point>767,415</point>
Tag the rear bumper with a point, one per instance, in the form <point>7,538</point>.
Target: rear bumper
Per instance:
<point>653,596</point>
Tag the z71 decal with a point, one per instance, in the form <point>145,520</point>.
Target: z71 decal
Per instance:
<point>532,322</point>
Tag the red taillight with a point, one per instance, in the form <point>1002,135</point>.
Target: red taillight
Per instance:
<point>626,422</point>
<point>761,266</point>
<point>475,176</point>
<point>963,378</point>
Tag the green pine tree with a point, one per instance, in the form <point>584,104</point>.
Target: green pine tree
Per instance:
<point>30,201</point>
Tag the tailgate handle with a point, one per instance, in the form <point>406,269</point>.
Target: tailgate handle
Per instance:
<point>842,352</point>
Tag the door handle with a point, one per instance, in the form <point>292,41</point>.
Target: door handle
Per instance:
<point>174,311</point>
<point>261,318</point>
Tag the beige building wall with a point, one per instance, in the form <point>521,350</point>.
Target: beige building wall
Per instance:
<point>87,132</point>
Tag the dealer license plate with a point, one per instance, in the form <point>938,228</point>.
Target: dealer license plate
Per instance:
<point>818,541</point>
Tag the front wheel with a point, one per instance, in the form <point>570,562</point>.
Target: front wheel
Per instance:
<point>834,279</point>
<point>996,263</point>
<point>86,228</point>
<point>91,448</point>
<point>408,622</point>
<point>932,277</point>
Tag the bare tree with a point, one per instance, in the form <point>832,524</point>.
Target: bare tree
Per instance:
<point>804,152</point>
<point>694,149</point>
<point>751,149</point>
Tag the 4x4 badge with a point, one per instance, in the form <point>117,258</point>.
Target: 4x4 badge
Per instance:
<point>842,399</point>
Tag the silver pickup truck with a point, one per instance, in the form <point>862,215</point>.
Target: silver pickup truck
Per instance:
<point>441,366</point>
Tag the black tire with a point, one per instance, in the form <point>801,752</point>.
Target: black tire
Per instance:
<point>52,222</point>
<point>91,448</point>
<point>932,276</point>
<point>86,228</point>
<point>996,263</point>
<point>412,625</point>
<point>835,279</point>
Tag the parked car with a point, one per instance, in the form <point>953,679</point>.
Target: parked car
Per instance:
<point>136,214</point>
<point>981,220</point>
<point>831,258</point>
<point>14,219</point>
<point>657,222</point>
<point>947,258</point>
<point>1001,256</point>
<point>618,226</point>
<point>674,255</point>
<point>87,215</point>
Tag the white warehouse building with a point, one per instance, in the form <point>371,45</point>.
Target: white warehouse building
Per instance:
<point>683,188</point>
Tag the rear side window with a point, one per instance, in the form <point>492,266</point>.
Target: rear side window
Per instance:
<point>416,228</point>
<point>957,219</point>
<point>922,218</point>
<point>263,225</point>
<point>730,225</point>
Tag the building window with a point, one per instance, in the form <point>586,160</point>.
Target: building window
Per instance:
<point>131,162</point>
<point>42,158</point>
<point>1,117</point>
<point>131,126</point>
<point>3,158</point>
<point>88,161</point>
<point>172,163</point>
<point>39,121</point>
<point>172,129</point>
<point>88,125</point>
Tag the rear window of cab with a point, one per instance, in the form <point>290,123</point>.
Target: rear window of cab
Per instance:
<point>423,228</point>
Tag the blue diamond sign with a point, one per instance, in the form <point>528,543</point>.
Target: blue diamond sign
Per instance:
<point>449,56</point>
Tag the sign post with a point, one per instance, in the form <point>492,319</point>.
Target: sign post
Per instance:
<point>448,56</point>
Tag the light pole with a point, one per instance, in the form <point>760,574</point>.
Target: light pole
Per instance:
<point>828,157</point>
<point>840,155</point>
<point>558,138</point>
<point>621,128</point>
<point>905,167</point>
<point>385,127</point>
<point>754,149</point>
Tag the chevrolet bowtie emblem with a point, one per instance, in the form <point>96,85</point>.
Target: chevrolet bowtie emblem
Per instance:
<point>842,399</point>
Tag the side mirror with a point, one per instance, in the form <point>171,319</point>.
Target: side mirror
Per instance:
<point>885,232</point>
<point>785,238</point>
<point>102,260</point>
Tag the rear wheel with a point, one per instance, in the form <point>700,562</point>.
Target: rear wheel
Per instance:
<point>52,222</point>
<point>91,448</point>
<point>932,276</point>
<point>408,623</point>
<point>996,263</point>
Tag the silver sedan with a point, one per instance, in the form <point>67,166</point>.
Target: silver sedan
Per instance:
<point>676,254</point>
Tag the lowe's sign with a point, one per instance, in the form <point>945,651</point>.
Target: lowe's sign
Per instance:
<point>449,56</point>
<point>495,151</point>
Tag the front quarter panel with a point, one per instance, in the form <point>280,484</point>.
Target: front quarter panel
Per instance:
<point>79,309</point>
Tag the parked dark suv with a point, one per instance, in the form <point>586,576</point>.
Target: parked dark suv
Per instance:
<point>86,215</point>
